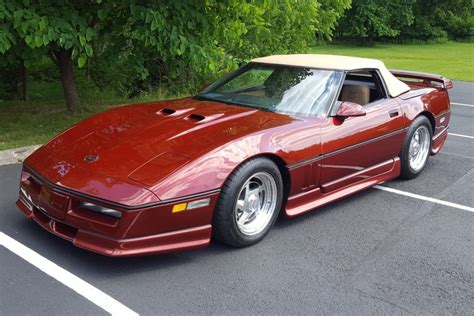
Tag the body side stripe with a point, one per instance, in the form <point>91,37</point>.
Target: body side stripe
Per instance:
<point>311,160</point>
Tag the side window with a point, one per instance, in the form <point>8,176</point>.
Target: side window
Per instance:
<point>362,87</point>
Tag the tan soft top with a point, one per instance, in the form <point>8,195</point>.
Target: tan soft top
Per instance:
<point>394,86</point>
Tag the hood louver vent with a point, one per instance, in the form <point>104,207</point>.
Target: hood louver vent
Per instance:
<point>166,112</point>
<point>195,117</point>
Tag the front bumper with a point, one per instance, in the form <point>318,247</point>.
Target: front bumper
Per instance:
<point>152,230</point>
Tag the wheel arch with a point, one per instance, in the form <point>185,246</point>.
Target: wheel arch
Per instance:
<point>430,118</point>
<point>282,167</point>
<point>284,171</point>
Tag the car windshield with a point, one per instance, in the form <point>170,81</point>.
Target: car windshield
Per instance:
<point>277,88</point>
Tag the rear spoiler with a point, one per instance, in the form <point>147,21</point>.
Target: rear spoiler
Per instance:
<point>425,77</point>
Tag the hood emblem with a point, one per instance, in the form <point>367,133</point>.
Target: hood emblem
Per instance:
<point>91,158</point>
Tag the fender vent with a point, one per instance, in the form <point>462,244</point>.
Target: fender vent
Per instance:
<point>195,117</point>
<point>166,112</point>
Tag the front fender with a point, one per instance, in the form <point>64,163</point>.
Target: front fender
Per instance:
<point>209,172</point>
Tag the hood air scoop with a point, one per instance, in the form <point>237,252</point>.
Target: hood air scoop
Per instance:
<point>194,117</point>
<point>166,112</point>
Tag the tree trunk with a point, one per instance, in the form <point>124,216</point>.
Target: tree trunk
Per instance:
<point>66,68</point>
<point>24,84</point>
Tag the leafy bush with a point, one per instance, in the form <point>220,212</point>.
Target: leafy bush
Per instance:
<point>370,20</point>
<point>406,21</point>
<point>441,20</point>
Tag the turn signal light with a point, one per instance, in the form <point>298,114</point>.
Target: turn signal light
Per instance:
<point>179,207</point>
<point>191,205</point>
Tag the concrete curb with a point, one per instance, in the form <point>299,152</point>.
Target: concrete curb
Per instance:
<point>16,155</point>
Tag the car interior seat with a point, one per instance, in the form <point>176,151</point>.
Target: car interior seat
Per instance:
<point>357,94</point>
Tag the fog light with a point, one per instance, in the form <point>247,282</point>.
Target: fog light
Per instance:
<point>198,203</point>
<point>99,209</point>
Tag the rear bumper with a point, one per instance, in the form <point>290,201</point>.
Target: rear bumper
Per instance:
<point>179,240</point>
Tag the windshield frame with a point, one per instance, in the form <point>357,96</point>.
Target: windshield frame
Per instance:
<point>227,78</point>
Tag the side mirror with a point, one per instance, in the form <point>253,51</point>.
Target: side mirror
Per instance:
<point>350,109</point>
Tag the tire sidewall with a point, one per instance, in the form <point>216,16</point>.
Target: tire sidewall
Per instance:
<point>407,171</point>
<point>229,198</point>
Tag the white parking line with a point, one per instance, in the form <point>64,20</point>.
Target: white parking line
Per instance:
<point>83,288</point>
<point>460,135</point>
<point>463,104</point>
<point>425,198</point>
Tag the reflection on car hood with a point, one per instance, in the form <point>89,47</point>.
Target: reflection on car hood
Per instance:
<point>121,142</point>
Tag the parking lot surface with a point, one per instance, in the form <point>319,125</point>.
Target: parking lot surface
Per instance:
<point>374,252</point>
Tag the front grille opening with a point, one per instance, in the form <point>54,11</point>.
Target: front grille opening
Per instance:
<point>42,217</point>
<point>65,230</point>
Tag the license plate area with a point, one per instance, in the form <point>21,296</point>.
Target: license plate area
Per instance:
<point>53,203</point>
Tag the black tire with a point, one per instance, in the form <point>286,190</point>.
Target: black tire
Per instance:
<point>407,172</point>
<point>224,223</point>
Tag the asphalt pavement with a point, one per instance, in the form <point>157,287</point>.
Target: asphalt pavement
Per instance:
<point>374,252</point>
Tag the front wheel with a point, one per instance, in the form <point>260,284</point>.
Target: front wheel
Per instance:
<point>416,148</point>
<point>249,203</point>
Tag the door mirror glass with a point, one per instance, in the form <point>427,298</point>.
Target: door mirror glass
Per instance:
<point>350,109</point>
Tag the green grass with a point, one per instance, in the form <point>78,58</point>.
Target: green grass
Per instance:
<point>23,124</point>
<point>29,123</point>
<point>453,60</point>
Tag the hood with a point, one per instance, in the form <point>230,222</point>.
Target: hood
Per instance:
<point>119,143</point>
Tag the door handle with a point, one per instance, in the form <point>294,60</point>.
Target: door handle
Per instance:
<point>393,113</point>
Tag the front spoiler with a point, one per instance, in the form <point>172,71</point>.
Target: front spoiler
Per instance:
<point>179,240</point>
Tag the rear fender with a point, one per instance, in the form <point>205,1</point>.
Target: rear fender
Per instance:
<point>434,104</point>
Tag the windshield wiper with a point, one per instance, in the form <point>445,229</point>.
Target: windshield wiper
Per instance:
<point>227,101</point>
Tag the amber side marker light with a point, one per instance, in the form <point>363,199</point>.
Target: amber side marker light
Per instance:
<point>191,205</point>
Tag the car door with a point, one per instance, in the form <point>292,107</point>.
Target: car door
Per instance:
<point>357,148</point>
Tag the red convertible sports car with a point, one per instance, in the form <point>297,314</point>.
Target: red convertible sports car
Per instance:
<point>281,134</point>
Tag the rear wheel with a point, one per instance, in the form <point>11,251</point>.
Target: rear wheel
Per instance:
<point>249,203</point>
<point>416,148</point>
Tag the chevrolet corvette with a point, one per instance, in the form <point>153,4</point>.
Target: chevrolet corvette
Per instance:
<point>283,134</point>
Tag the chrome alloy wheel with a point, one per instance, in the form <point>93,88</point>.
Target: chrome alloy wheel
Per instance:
<point>419,148</point>
<point>256,203</point>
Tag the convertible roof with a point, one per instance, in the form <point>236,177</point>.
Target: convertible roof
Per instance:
<point>395,87</point>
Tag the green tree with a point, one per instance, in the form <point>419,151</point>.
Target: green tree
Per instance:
<point>162,40</point>
<point>370,20</point>
<point>14,72</point>
<point>63,30</point>
<point>441,19</point>
<point>330,11</point>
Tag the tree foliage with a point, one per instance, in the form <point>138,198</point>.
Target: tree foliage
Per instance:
<point>63,30</point>
<point>401,20</point>
<point>330,11</point>
<point>368,20</point>
<point>441,19</point>
<point>160,41</point>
